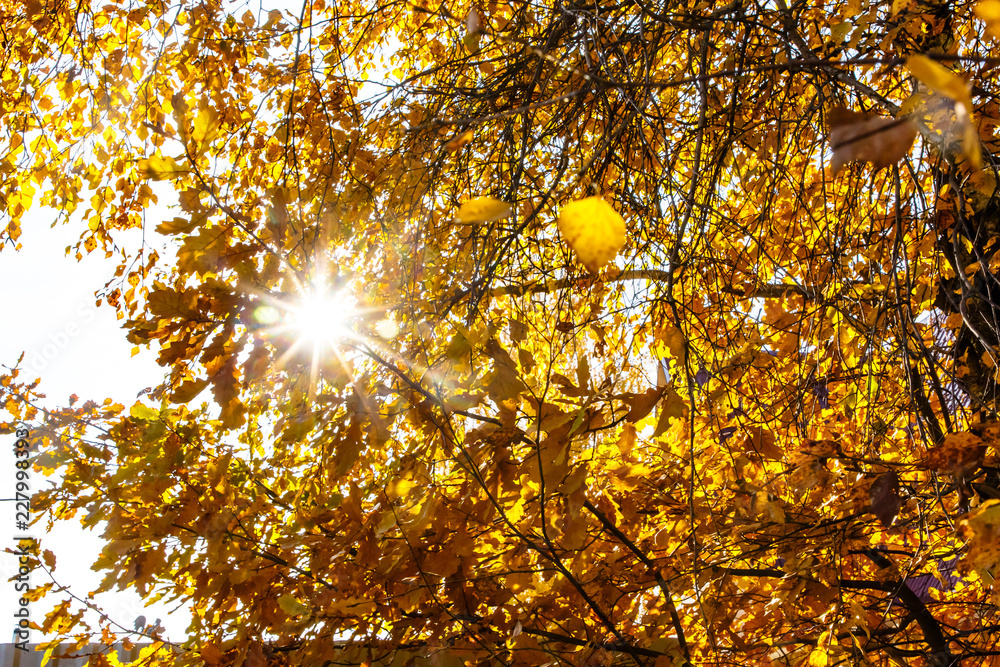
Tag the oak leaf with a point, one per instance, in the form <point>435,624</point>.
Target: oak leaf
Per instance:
<point>144,412</point>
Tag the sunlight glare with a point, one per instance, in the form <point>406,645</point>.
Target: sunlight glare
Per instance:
<point>320,317</point>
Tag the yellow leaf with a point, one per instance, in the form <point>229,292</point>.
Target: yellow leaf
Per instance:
<point>980,189</point>
<point>819,656</point>
<point>940,79</point>
<point>188,390</point>
<point>140,411</point>
<point>159,168</point>
<point>989,12</point>
<point>291,606</point>
<point>471,43</point>
<point>482,209</point>
<point>900,5</point>
<point>840,31</point>
<point>594,230</point>
<point>674,340</point>
<point>205,130</point>
<point>981,530</point>
<point>673,407</point>
<point>943,81</point>
<point>459,141</point>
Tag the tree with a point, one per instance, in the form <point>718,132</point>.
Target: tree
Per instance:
<point>482,470</point>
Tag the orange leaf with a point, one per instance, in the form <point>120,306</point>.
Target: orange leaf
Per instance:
<point>862,137</point>
<point>958,452</point>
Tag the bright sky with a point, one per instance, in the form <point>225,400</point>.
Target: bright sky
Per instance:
<point>75,347</point>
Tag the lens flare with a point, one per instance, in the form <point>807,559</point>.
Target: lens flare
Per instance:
<point>320,317</point>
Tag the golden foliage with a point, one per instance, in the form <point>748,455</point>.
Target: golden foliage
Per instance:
<point>751,441</point>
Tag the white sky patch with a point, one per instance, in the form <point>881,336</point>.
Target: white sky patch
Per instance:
<point>75,347</point>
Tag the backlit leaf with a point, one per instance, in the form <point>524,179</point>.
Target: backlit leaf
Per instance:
<point>291,605</point>
<point>161,167</point>
<point>482,209</point>
<point>140,411</point>
<point>989,12</point>
<point>981,531</point>
<point>943,81</point>
<point>594,230</point>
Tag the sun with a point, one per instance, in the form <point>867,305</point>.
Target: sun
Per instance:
<point>320,318</point>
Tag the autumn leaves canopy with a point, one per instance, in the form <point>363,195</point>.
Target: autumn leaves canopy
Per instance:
<point>672,337</point>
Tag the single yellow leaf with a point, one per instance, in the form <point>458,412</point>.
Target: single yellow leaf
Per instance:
<point>472,43</point>
<point>140,411</point>
<point>941,80</point>
<point>819,657</point>
<point>673,407</point>
<point>291,606</point>
<point>989,12</point>
<point>205,130</point>
<point>841,31</point>
<point>159,167</point>
<point>188,390</point>
<point>482,209</point>
<point>594,230</point>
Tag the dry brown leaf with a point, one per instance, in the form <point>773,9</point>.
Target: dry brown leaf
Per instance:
<point>958,453</point>
<point>868,138</point>
<point>473,22</point>
<point>886,502</point>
